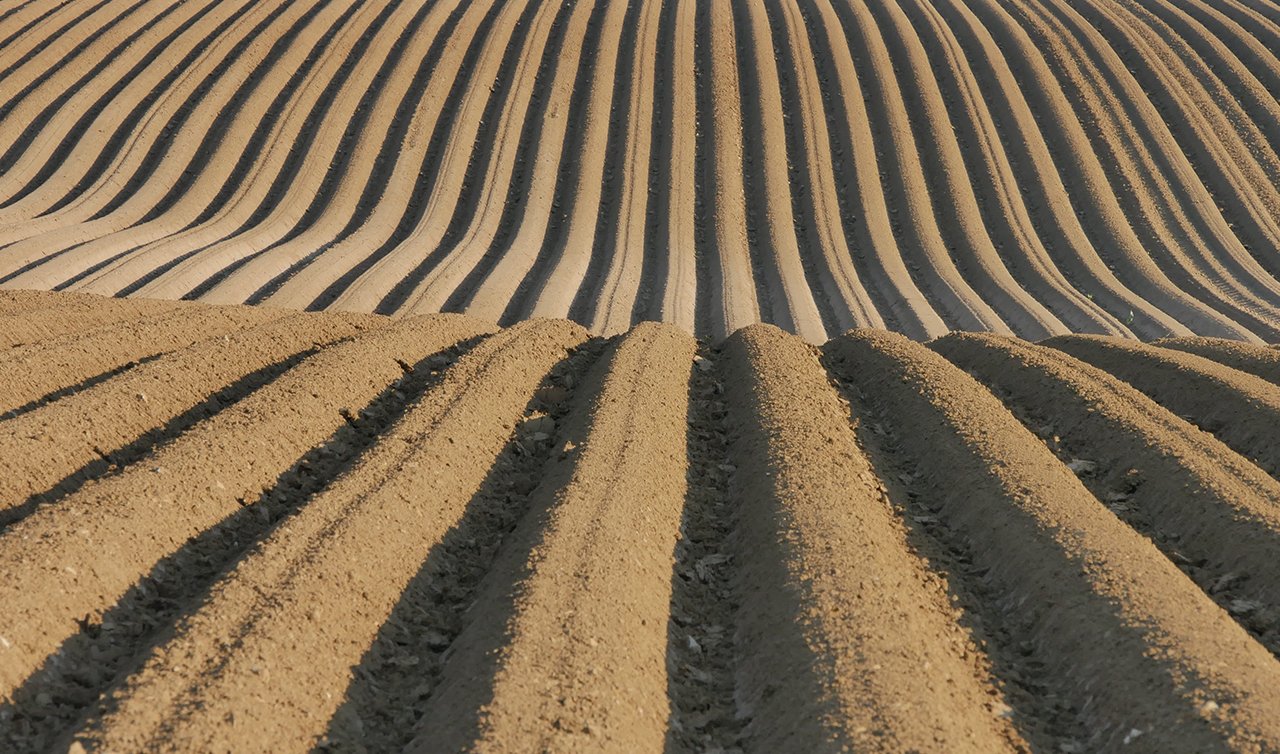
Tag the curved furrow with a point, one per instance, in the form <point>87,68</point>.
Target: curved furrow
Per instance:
<point>1125,635</point>
<point>989,204</point>
<point>352,183</point>
<point>1089,190</point>
<point>1245,38</point>
<point>239,185</point>
<point>873,246</point>
<point>1235,122</point>
<point>302,150</point>
<point>467,142</point>
<point>84,178</point>
<point>1200,115</point>
<point>1045,203</point>
<point>1179,237</point>
<point>38,135</point>
<point>943,185</point>
<point>125,177</point>
<point>1241,410</point>
<point>842,291</point>
<point>116,517</point>
<point>51,51</point>
<point>398,206</point>
<point>903,182</point>
<point>554,281</point>
<point>187,690</point>
<point>782,276</point>
<point>1208,509</point>
<point>491,283</point>
<point>521,134</point>
<point>26,15</point>
<point>617,290</point>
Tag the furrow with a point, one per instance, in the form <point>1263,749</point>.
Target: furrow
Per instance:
<point>403,201</point>
<point>729,294</point>
<point>1144,658</point>
<point>208,176</point>
<point>463,159</point>
<point>29,375</point>
<point>277,609</point>
<point>701,644</point>
<point>503,193</point>
<point>303,431</point>
<point>120,531</point>
<point>618,291</point>
<point>902,180</point>
<point>45,451</point>
<point>557,278</point>
<point>902,304</point>
<point>349,207</point>
<point>991,211</point>
<point>781,272</point>
<point>1170,233</point>
<point>566,645</point>
<point>1241,410</point>
<point>1257,360</point>
<point>842,292</point>
<point>1036,64</point>
<point>1209,510</point>
<point>943,188</point>
<point>502,281</point>
<point>837,615</point>
<point>313,92</point>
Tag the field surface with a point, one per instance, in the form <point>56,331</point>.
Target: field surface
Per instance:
<point>224,526</point>
<point>1027,167</point>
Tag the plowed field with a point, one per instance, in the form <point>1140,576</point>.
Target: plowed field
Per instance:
<point>1027,167</point>
<point>353,532</point>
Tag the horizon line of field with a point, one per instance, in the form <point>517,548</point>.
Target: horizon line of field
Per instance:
<point>818,165</point>
<point>551,436</point>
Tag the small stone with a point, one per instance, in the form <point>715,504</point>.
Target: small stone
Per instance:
<point>694,645</point>
<point>1132,736</point>
<point>5,643</point>
<point>1081,467</point>
<point>1243,607</point>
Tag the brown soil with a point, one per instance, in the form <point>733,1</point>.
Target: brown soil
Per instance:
<point>337,532</point>
<point>1034,167</point>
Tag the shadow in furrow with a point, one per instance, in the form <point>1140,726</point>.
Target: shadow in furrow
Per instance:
<point>1042,718</point>
<point>115,460</point>
<point>701,628</point>
<point>67,688</point>
<point>392,685</point>
<point>80,386</point>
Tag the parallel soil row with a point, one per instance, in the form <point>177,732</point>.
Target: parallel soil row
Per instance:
<point>335,531</point>
<point>1024,167</point>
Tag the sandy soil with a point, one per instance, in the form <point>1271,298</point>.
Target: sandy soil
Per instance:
<point>338,532</point>
<point>1033,168</point>
<point>710,376</point>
